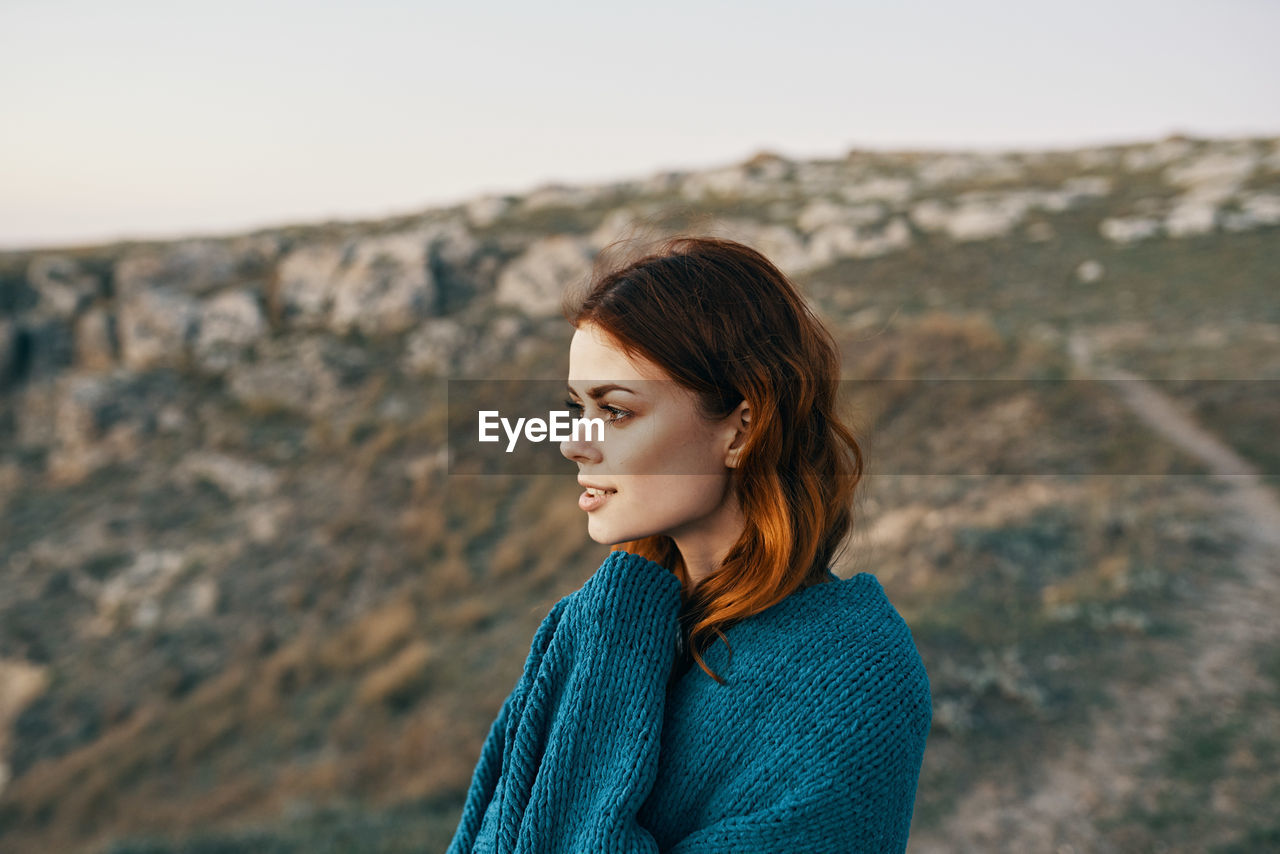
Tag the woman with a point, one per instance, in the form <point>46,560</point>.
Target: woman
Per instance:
<point>724,480</point>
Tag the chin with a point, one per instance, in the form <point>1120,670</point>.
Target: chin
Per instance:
<point>606,536</point>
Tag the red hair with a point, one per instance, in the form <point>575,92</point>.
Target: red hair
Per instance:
<point>728,325</point>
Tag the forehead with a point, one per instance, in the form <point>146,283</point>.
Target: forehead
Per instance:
<point>594,356</point>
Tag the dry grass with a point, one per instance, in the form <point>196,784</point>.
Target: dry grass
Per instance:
<point>402,679</point>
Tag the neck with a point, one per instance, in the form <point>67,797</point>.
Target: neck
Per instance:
<point>703,548</point>
<point>700,561</point>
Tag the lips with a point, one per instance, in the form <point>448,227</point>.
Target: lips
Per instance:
<point>594,497</point>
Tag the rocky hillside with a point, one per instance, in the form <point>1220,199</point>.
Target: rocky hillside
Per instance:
<point>243,606</point>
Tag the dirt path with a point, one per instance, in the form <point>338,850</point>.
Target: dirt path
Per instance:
<point>1082,785</point>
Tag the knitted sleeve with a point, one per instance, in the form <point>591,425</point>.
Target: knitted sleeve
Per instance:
<point>582,731</point>
<point>495,755</point>
<point>855,774</point>
<point>483,782</point>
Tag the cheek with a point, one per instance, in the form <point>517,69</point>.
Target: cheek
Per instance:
<point>667,453</point>
<point>676,498</point>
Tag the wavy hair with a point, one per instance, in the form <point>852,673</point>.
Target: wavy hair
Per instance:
<point>722,321</point>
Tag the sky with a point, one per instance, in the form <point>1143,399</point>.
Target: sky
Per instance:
<point>149,120</point>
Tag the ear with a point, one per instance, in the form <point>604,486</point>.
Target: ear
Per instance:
<point>739,425</point>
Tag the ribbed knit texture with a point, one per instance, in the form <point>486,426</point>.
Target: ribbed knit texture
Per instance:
<point>815,745</point>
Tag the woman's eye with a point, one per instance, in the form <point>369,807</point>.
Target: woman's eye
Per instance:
<point>615,414</point>
<point>618,414</point>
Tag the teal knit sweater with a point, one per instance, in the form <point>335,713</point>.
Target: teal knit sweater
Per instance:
<point>604,745</point>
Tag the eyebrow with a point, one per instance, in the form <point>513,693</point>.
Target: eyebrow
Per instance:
<point>601,390</point>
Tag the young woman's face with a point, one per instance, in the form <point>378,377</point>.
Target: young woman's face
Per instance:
<point>664,467</point>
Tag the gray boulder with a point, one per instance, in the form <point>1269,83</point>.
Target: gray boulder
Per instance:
<point>62,286</point>
<point>229,323</point>
<point>535,281</point>
<point>378,285</point>
<point>191,267</point>
<point>289,374</point>
<point>156,325</point>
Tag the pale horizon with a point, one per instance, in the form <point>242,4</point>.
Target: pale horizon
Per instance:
<point>148,122</point>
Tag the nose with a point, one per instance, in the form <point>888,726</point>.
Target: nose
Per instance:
<point>581,451</point>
